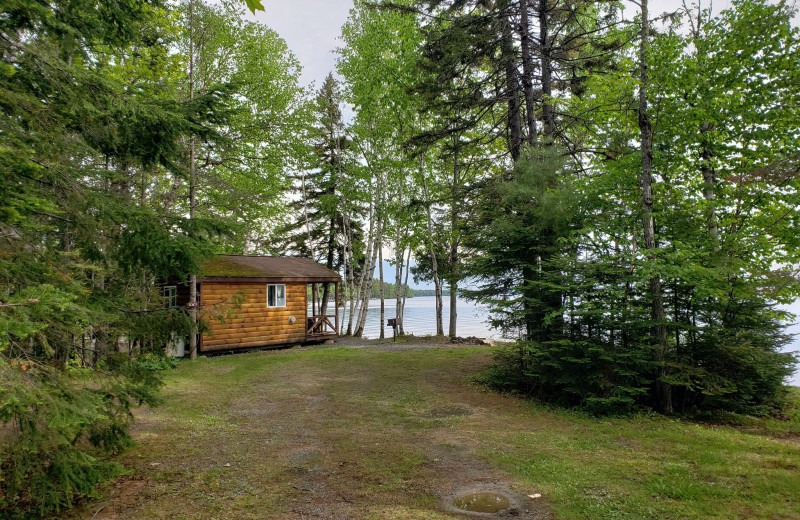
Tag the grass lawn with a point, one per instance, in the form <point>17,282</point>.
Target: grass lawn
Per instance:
<point>380,432</point>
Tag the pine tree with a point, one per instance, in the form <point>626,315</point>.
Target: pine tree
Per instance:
<point>319,230</point>
<point>79,250</point>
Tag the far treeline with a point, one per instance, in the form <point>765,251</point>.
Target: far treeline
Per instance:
<point>390,291</point>
<point>619,186</point>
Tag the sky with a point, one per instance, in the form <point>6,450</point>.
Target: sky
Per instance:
<point>311,28</point>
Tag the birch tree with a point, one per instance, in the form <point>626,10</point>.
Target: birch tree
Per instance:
<point>377,64</point>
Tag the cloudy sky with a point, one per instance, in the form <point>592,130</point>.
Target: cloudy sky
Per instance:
<point>311,28</point>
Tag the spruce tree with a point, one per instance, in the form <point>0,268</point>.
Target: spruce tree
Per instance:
<point>79,251</point>
<point>318,229</point>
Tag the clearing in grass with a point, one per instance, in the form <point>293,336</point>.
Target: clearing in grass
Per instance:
<point>381,430</point>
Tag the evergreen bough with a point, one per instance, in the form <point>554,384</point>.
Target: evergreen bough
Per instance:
<point>81,253</point>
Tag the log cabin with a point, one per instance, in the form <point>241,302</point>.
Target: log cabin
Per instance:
<point>257,301</point>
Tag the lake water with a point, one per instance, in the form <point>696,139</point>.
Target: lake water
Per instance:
<point>420,320</point>
<point>794,345</point>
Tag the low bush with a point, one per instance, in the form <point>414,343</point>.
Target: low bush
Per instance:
<point>59,429</point>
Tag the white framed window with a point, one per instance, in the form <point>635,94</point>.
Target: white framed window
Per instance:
<point>276,295</point>
<point>171,296</point>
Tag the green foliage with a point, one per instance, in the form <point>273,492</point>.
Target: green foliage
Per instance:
<point>572,374</point>
<point>53,417</point>
<point>157,361</point>
<point>96,123</point>
<point>254,5</point>
<point>378,64</point>
<point>167,251</point>
<point>323,212</point>
<point>95,126</point>
<point>562,261</point>
<point>525,221</point>
<point>242,174</point>
<point>82,134</point>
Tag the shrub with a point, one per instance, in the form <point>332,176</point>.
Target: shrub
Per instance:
<point>58,428</point>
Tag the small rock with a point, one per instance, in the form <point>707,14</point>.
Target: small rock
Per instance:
<point>155,464</point>
<point>471,340</point>
<point>227,465</point>
<point>535,496</point>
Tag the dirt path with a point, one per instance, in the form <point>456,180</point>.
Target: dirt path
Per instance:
<point>298,434</point>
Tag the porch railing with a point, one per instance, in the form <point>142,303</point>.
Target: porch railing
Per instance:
<point>320,325</point>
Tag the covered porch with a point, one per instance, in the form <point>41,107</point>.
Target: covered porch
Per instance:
<point>322,318</point>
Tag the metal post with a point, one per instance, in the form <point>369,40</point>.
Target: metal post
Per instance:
<point>392,322</point>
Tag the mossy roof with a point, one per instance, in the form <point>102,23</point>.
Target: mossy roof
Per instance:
<point>243,266</point>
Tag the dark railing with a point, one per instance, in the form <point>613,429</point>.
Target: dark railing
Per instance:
<point>320,325</point>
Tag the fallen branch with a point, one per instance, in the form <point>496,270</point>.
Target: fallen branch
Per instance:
<point>29,302</point>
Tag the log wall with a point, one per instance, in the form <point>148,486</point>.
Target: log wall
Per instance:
<point>253,324</point>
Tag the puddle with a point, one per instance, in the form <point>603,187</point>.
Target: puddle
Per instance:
<point>482,502</point>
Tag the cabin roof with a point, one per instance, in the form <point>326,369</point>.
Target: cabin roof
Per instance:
<point>223,268</point>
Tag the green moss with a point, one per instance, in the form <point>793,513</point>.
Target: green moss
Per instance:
<point>221,266</point>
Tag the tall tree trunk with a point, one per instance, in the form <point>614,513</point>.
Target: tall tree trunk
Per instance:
<point>709,180</point>
<point>326,288</point>
<point>512,86</point>
<point>399,290</point>
<point>314,299</point>
<point>351,285</point>
<point>337,163</point>
<point>548,115</point>
<point>309,242</point>
<point>369,268</point>
<point>527,71</point>
<point>192,190</point>
<point>323,303</point>
<point>401,330</point>
<point>533,319</point>
<point>663,390</point>
<point>399,253</point>
<point>452,256</point>
<point>706,153</point>
<point>346,277</point>
<point>143,188</point>
<point>381,291</point>
<point>437,282</point>
<point>451,330</point>
<point>552,299</point>
<point>363,280</point>
<point>366,292</point>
